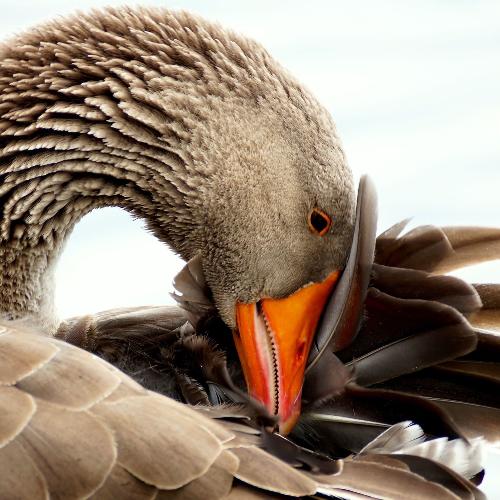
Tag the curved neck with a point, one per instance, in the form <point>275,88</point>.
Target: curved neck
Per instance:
<point>39,210</point>
<point>139,109</point>
<point>78,133</point>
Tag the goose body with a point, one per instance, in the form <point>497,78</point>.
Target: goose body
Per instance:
<point>236,167</point>
<point>111,438</point>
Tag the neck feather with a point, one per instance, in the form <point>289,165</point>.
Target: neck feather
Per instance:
<point>91,115</point>
<point>119,108</point>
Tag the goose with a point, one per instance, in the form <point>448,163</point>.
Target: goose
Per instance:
<point>237,168</point>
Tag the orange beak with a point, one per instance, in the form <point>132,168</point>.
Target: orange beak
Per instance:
<point>273,340</point>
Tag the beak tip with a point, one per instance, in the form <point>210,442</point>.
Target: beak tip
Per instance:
<point>287,422</point>
<point>286,426</point>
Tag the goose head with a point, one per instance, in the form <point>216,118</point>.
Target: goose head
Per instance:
<point>278,214</point>
<point>201,133</point>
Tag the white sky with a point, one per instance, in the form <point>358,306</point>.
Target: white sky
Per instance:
<point>412,86</point>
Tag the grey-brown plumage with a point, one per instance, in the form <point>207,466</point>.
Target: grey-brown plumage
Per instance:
<point>204,135</point>
<point>183,124</point>
<point>108,437</point>
<point>409,307</point>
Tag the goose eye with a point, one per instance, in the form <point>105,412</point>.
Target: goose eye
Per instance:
<point>319,222</point>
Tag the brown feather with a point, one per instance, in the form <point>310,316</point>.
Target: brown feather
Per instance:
<point>102,331</point>
<point>191,291</point>
<point>22,355</point>
<point>149,426</point>
<point>488,348</point>
<point>124,390</point>
<point>471,245</point>
<point>489,293</point>
<point>95,382</point>
<point>73,450</point>
<point>21,407</point>
<point>488,317</point>
<point>213,485</point>
<point>438,472</point>
<point>382,481</point>
<point>121,484</point>
<point>245,492</point>
<point>474,421</point>
<point>479,368</point>
<point>438,250</point>
<point>264,471</point>
<point>440,333</point>
<point>386,406</point>
<point>192,392</point>
<point>412,284</point>
<point>20,477</point>
<point>422,248</point>
<point>332,431</point>
<point>456,385</point>
<point>389,460</point>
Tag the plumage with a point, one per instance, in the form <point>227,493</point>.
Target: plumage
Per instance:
<point>63,369</point>
<point>22,409</point>
<point>25,356</point>
<point>471,245</point>
<point>439,250</point>
<point>413,284</point>
<point>121,484</point>
<point>358,415</point>
<point>192,128</point>
<point>475,421</point>
<point>142,108</point>
<point>383,481</point>
<point>350,424</point>
<point>21,478</point>
<point>464,458</point>
<point>451,336</point>
<point>443,475</point>
<point>396,438</point>
<point>59,440</point>
<point>269,473</point>
<point>215,484</point>
<point>488,317</point>
<point>113,439</point>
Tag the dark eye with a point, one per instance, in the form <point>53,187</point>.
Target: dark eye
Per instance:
<point>319,222</point>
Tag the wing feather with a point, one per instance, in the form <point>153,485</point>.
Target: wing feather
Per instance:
<point>438,250</point>
<point>471,245</point>
<point>121,484</point>
<point>266,472</point>
<point>488,317</point>
<point>395,438</point>
<point>73,450</point>
<point>21,409</point>
<point>213,485</point>
<point>377,480</point>
<point>448,336</point>
<point>21,478</point>
<point>96,381</point>
<point>151,426</point>
<point>474,421</point>
<point>22,355</point>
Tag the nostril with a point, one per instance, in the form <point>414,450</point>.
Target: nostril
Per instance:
<point>301,350</point>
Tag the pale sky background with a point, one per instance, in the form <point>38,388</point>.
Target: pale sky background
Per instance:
<point>414,88</point>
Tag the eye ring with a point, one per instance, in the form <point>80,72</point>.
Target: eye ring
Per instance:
<point>319,222</point>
